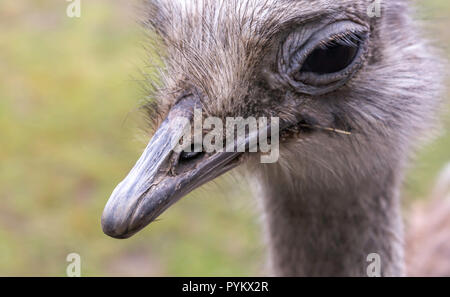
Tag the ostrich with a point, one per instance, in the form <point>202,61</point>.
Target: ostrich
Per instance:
<point>323,68</point>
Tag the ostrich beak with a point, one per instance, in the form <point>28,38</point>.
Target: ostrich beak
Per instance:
<point>154,184</point>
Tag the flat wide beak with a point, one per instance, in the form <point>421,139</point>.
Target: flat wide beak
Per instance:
<point>157,180</point>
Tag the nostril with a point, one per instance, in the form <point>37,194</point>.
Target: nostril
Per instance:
<point>187,156</point>
<point>195,153</point>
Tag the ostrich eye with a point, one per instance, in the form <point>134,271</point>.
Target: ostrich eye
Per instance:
<point>331,57</point>
<point>321,61</point>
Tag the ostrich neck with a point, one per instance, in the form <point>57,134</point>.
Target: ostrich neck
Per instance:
<point>318,231</point>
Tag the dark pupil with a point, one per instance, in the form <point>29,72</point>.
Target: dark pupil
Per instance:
<point>333,58</point>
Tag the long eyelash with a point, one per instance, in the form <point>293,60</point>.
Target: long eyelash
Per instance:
<point>350,39</point>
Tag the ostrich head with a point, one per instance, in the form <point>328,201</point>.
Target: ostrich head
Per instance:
<point>352,93</point>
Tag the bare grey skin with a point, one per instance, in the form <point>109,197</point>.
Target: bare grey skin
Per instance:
<point>320,66</point>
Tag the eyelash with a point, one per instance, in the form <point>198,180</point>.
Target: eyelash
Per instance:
<point>346,39</point>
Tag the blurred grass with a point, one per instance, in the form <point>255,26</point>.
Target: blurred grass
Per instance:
<point>434,156</point>
<point>68,136</point>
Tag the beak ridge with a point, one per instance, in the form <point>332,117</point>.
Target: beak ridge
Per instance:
<point>158,180</point>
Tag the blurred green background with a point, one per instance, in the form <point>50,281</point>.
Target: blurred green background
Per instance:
<point>69,93</point>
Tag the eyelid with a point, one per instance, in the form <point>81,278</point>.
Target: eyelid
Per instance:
<point>291,63</point>
<point>324,79</point>
<point>333,30</point>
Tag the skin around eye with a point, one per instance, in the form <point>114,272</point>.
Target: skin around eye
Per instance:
<point>326,60</point>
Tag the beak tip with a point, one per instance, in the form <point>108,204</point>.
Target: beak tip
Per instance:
<point>109,227</point>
